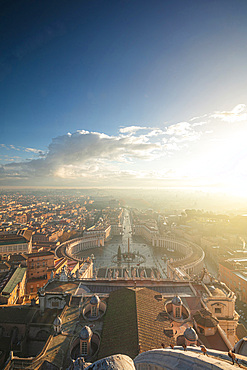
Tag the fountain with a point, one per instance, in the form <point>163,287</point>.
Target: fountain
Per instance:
<point>128,257</point>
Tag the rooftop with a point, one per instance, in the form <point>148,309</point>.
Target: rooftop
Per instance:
<point>135,321</point>
<point>15,279</point>
<point>152,320</point>
<point>205,319</point>
<point>9,239</point>
<point>241,331</point>
<point>17,314</point>
<point>166,288</point>
<point>119,333</point>
<point>40,254</point>
<point>241,274</point>
<point>59,286</point>
<point>213,341</point>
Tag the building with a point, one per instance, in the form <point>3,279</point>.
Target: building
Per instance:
<point>148,230</point>
<point>39,268</point>
<point>233,272</point>
<point>4,266</point>
<point>94,237</point>
<point>13,290</point>
<point>23,330</point>
<point>15,243</point>
<point>146,322</point>
<point>221,303</point>
<point>150,325</point>
<point>192,255</point>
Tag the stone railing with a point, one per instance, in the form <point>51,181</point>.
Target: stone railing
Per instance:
<point>66,249</point>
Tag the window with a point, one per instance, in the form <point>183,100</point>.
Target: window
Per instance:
<point>84,348</point>
<point>177,312</point>
<point>93,311</point>
<point>217,310</point>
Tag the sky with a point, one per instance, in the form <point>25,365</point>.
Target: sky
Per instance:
<point>123,93</point>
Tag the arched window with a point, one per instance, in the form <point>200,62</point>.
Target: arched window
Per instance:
<point>94,311</point>
<point>83,348</point>
<point>177,312</point>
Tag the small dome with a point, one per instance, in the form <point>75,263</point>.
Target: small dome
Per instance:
<point>85,333</point>
<point>176,301</point>
<point>57,321</point>
<point>241,347</point>
<point>190,334</point>
<point>94,300</point>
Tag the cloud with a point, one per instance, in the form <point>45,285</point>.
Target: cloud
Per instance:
<point>200,123</point>
<point>136,152</point>
<point>20,148</point>
<point>132,129</point>
<point>84,153</point>
<point>82,146</point>
<point>155,132</point>
<point>181,132</point>
<point>179,129</point>
<point>93,156</point>
<point>198,117</point>
<point>13,147</point>
<point>33,150</point>
<point>238,113</point>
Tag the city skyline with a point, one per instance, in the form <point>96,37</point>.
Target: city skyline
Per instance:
<point>124,94</point>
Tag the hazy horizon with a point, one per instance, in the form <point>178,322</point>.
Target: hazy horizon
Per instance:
<point>161,200</point>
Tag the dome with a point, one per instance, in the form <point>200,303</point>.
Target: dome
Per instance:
<point>176,301</point>
<point>94,300</point>
<point>85,333</point>
<point>172,359</point>
<point>57,321</point>
<point>190,334</point>
<point>241,347</point>
<point>114,362</point>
